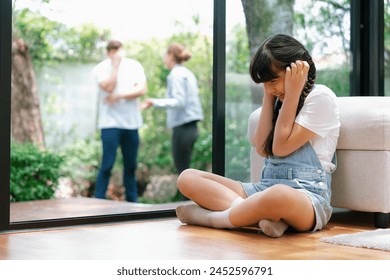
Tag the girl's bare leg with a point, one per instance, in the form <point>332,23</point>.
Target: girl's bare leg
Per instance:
<point>273,209</point>
<point>277,203</point>
<point>278,206</point>
<point>215,195</point>
<point>209,190</point>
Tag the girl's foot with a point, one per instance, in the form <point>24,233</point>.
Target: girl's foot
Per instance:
<point>273,229</point>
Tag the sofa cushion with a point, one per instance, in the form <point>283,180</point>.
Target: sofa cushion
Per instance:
<point>365,123</point>
<point>362,181</point>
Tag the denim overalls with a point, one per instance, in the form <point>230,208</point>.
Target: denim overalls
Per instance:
<point>301,170</point>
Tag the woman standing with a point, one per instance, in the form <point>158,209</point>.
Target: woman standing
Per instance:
<point>182,103</point>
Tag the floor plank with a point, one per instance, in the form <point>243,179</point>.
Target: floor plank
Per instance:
<point>77,207</point>
<point>168,239</point>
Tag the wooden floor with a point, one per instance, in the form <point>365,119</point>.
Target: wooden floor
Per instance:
<point>168,239</point>
<point>77,207</point>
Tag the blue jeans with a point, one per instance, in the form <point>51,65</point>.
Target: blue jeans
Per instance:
<point>128,139</point>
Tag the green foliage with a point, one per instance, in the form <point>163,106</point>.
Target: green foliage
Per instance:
<point>202,154</point>
<point>40,35</point>
<point>85,43</point>
<point>34,172</point>
<point>51,41</point>
<point>321,20</point>
<point>237,147</point>
<point>237,57</point>
<point>81,165</point>
<point>335,79</point>
<point>155,150</point>
<point>238,88</point>
<point>237,152</point>
<point>387,36</point>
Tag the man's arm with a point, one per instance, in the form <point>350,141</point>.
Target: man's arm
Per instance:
<point>110,84</point>
<point>137,91</point>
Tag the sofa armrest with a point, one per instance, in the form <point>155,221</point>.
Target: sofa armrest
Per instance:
<point>252,123</point>
<point>256,160</point>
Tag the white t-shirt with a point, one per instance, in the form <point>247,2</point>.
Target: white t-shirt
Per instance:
<point>320,114</point>
<point>124,113</point>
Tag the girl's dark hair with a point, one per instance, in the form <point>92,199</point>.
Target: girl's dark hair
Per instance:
<point>274,55</point>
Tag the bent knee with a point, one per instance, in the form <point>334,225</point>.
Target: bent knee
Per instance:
<point>186,179</point>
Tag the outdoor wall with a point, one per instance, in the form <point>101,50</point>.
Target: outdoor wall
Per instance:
<point>68,97</point>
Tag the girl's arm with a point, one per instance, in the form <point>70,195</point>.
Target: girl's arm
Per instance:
<point>264,125</point>
<point>290,136</point>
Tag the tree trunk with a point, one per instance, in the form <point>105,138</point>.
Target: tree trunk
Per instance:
<point>26,123</point>
<point>263,19</point>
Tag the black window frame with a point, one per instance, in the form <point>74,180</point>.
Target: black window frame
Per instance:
<point>367,48</point>
<point>367,78</point>
<point>5,110</point>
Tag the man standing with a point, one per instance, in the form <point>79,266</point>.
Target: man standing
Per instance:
<point>121,81</point>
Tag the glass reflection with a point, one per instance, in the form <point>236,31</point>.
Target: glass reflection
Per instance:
<point>63,44</point>
<point>324,28</point>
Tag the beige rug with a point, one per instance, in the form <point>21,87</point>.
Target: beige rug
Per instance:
<point>374,239</point>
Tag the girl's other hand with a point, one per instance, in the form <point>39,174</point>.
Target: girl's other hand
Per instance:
<point>268,93</point>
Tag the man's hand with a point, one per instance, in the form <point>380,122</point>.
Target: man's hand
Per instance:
<point>116,60</point>
<point>111,98</point>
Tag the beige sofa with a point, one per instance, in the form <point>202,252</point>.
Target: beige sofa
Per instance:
<point>361,181</point>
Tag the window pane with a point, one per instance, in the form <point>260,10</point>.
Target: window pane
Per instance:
<point>64,44</point>
<point>322,26</point>
<point>387,47</point>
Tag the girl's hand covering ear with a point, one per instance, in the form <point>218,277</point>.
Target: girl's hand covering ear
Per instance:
<point>296,77</point>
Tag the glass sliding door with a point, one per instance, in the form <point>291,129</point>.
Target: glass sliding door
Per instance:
<point>387,46</point>
<point>62,45</point>
<point>322,26</point>
<point>5,96</point>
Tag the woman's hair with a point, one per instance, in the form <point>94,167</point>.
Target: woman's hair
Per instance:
<point>179,52</point>
<point>274,55</point>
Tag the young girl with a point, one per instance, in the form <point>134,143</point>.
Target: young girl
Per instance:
<point>297,134</point>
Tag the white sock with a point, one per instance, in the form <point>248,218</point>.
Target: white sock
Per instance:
<point>196,215</point>
<point>236,201</point>
<point>273,229</point>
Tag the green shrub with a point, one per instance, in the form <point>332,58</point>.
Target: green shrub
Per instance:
<point>237,153</point>
<point>202,153</point>
<point>34,173</point>
<point>81,165</point>
<point>335,79</point>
